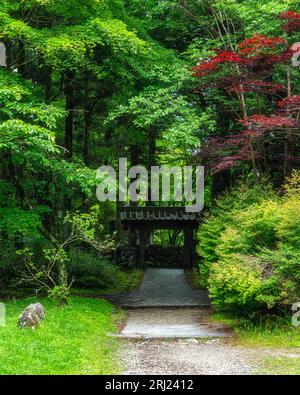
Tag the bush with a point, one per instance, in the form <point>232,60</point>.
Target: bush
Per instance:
<point>60,295</point>
<point>288,230</point>
<point>248,283</point>
<point>91,271</point>
<point>250,230</point>
<point>254,262</point>
<point>235,281</point>
<point>281,283</point>
<point>221,217</point>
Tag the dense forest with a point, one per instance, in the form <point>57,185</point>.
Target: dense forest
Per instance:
<point>174,82</point>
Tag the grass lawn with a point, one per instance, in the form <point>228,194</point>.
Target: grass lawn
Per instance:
<point>71,340</point>
<point>275,334</point>
<point>280,366</point>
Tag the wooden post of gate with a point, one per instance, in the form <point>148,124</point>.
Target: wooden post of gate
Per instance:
<point>187,247</point>
<point>142,247</point>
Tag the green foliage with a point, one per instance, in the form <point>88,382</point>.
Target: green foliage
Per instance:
<point>14,221</point>
<point>28,150</point>
<point>235,282</point>
<point>90,81</point>
<point>288,229</point>
<point>254,263</point>
<point>218,223</point>
<point>60,295</point>
<point>90,271</point>
<point>49,275</point>
<point>87,228</point>
<point>252,229</point>
<point>8,263</point>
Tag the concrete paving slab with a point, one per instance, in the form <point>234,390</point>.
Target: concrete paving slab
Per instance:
<point>170,323</point>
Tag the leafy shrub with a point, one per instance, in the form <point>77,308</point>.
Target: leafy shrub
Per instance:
<point>249,283</point>
<point>235,281</point>
<point>250,230</point>
<point>282,276</point>
<point>60,295</point>
<point>288,230</point>
<point>90,282</point>
<point>91,271</point>
<point>255,259</point>
<point>221,217</point>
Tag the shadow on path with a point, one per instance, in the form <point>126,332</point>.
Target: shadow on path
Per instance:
<point>162,288</point>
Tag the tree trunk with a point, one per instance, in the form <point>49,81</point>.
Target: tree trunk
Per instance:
<point>21,59</point>
<point>86,137</point>
<point>151,160</point>
<point>48,84</point>
<point>69,122</point>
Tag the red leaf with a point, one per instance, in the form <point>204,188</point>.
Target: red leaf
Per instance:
<point>268,122</point>
<point>288,15</point>
<point>258,42</point>
<point>290,104</point>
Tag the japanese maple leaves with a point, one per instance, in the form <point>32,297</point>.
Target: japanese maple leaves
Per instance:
<point>265,123</point>
<point>257,43</point>
<point>292,21</point>
<point>250,69</point>
<point>207,67</point>
<point>250,52</point>
<point>289,105</point>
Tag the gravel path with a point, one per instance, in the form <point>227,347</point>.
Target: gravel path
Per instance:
<point>164,334</point>
<point>162,339</point>
<point>202,357</point>
<point>185,357</point>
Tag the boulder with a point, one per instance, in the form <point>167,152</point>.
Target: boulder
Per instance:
<point>32,316</point>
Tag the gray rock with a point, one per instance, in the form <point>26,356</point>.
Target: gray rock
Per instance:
<point>32,316</point>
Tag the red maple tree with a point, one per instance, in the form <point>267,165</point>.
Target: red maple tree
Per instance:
<point>292,19</point>
<point>250,69</point>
